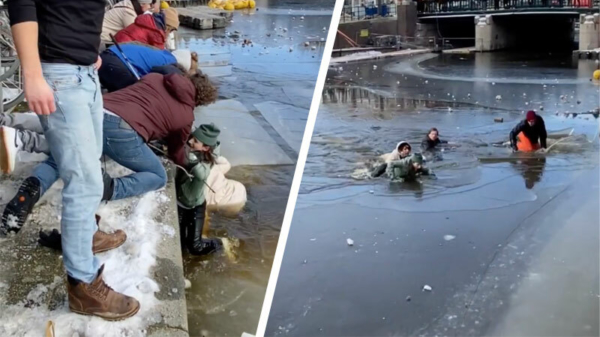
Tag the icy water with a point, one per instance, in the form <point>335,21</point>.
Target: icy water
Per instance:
<point>227,295</point>
<point>507,243</point>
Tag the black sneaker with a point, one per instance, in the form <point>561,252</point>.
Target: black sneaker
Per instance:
<point>18,209</point>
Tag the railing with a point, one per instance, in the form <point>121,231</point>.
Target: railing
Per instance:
<point>437,6</point>
<point>357,13</point>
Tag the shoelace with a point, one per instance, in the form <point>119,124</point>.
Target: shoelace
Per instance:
<point>102,289</point>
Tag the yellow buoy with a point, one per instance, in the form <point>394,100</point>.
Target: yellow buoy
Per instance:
<point>164,5</point>
<point>212,5</point>
<point>229,7</point>
<point>241,5</point>
<point>251,4</point>
<point>597,75</point>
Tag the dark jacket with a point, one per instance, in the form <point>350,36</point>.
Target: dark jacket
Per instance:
<point>536,133</point>
<point>166,70</point>
<point>147,28</point>
<point>158,107</point>
<point>69,30</point>
<point>427,144</point>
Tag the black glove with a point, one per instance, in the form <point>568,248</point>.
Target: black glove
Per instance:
<point>50,239</point>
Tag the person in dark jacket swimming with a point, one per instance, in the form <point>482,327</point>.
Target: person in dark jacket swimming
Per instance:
<point>432,140</point>
<point>530,134</point>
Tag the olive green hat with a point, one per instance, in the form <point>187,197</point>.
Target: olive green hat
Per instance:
<point>417,158</point>
<point>207,134</point>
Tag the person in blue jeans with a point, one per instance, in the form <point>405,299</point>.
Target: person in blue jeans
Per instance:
<point>61,85</point>
<point>157,107</point>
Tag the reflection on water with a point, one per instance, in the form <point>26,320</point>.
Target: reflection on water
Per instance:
<point>226,296</point>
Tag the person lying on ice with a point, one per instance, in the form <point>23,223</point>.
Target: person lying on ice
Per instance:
<point>530,134</point>
<point>157,107</point>
<point>116,75</point>
<point>401,151</point>
<point>407,169</point>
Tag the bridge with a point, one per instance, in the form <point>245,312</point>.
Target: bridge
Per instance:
<point>466,8</point>
<point>501,24</point>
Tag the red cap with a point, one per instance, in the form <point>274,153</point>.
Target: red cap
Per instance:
<point>530,115</point>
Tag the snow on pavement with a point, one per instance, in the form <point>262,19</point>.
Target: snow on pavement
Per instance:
<point>128,269</point>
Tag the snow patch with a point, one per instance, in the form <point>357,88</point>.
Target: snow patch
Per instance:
<point>127,269</point>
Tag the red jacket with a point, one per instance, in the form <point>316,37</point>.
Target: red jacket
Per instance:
<point>158,107</point>
<point>145,29</point>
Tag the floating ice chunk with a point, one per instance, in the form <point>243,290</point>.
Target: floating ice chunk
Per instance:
<point>188,284</point>
<point>374,67</point>
<point>427,288</point>
<point>350,242</point>
<point>498,97</point>
<point>449,237</point>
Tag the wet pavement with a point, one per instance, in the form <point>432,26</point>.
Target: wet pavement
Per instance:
<point>265,88</point>
<point>508,243</point>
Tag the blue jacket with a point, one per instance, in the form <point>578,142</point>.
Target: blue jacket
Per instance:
<point>144,58</point>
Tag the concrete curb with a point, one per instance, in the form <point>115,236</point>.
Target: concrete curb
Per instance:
<point>168,273</point>
<point>350,58</point>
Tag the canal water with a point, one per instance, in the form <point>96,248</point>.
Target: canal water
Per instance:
<point>228,292</point>
<point>507,243</point>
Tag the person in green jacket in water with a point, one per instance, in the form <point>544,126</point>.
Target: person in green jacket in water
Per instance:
<point>407,169</point>
<point>191,190</point>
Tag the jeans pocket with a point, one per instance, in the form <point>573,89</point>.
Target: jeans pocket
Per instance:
<point>64,82</point>
<point>126,149</point>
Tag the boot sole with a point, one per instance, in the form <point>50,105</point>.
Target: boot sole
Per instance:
<point>6,164</point>
<point>110,248</point>
<point>109,318</point>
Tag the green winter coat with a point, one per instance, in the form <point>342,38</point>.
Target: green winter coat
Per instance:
<point>403,170</point>
<point>191,191</point>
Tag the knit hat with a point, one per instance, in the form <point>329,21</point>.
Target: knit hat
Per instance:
<point>530,115</point>
<point>417,158</point>
<point>184,58</point>
<point>207,134</point>
<point>171,17</point>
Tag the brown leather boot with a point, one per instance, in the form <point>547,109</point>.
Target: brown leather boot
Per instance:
<point>103,241</point>
<point>98,299</point>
